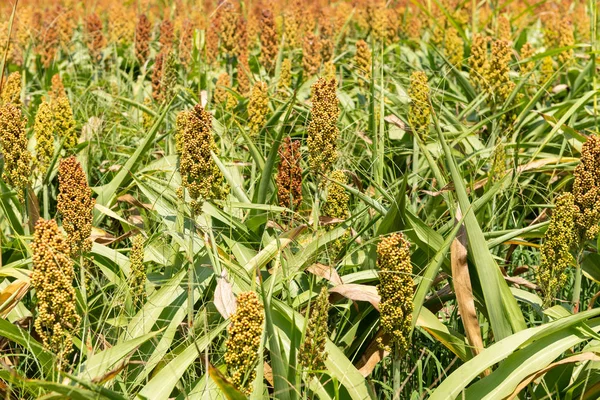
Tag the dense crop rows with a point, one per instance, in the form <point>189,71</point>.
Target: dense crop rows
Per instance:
<point>299,199</point>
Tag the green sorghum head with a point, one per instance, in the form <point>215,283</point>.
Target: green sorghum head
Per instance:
<point>75,205</point>
<point>52,277</point>
<point>64,122</point>
<point>13,142</point>
<point>44,136</point>
<point>137,283</point>
<point>245,332</point>
<point>312,354</point>
<point>396,289</point>
<point>419,113</point>
<point>258,108</point>
<point>478,61</point>
<point>323,131</point>
<point>555,251</point>
<point>194,142</point>
<point>11,90</point>
<point>586,189</point>
<point>336,204</point>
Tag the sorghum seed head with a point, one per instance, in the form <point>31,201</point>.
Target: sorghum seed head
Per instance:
<point>498,73</point>
<point>396,289</point>
<point>138,271</point>
<point>186,42</point>
<point>566,39</point>
<point>478,61</point>
<point>336,204</point>
<point>64,122</point>
<point>245,332</point>
<point>229,19</point>
<point>157,72</point>
<point>75,204</point>
<point>586,189</point>
<point>527,51</point>
<point>50,37</point>
<point>558,240</point>
<point>94,37</point>
<point>167,35</point>
<point>52,277</point>
<point>243,74</point>
<point>453,47</point>
<point>142,38</point>
<point>11,90</point>
<point>44,136</point>
<point>329,70</point>
<point>289,175</point>
<point>504,31</point>
<point>121,24</point>
<point>419,113</point>
<point>13,141</point>
<point>212,40</point>
<point>268,40</point>
<point>323,131</point>
<point>241,36</point>
<point>220,94</point>
<point>147,119</point>
<point>547,69</point>
<point>57,89</point>
<point>168,79</point>
<point>498,169</point>
<point>258,108</point>
<point>291,24</point>
<point>311,54</point>
<point>312,354</point>
<point>363,61</point>
<point>285,76</point>
<point>194,142</point>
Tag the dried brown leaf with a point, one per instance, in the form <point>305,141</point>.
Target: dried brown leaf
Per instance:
<point>356,292</point>
<point>326,272</point>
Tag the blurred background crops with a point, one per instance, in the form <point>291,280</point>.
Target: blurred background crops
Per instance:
<point>299,199</point>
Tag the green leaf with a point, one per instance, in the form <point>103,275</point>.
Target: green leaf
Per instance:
<point>101,363</point>
<point>230,392</point>
<point>15,334</point>
<point>162,383</point>
<point>452,386</point>
<point>504,313</point>
<point>107,194</point>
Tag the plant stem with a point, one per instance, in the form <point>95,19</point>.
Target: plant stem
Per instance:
<point>46,196</point>
<point>191,273</point>
<point>396,367</point>
<point>316,205</point>
<point>577,286</point>
<point>84,303</point>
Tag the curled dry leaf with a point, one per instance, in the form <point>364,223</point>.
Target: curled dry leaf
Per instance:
<point>394,120</point>
<point>356,292</point>
<point>224,298</point>
<point>325,272</point>
<point>101,236</point>
<point>588,356</point>
<point>464,292</point>
<point>517,280</point>
<point>12,295</point>
<point>373,355</point>
<point>129,199</point>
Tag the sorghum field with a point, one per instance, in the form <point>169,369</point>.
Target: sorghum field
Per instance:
<point>298,199</point>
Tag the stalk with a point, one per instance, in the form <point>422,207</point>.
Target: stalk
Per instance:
<point>577,285</point>
<point>191,273</point>
<point>316,206</point>
<point>84,296</point>
<point>396,367</point>
<point>46,196</point>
